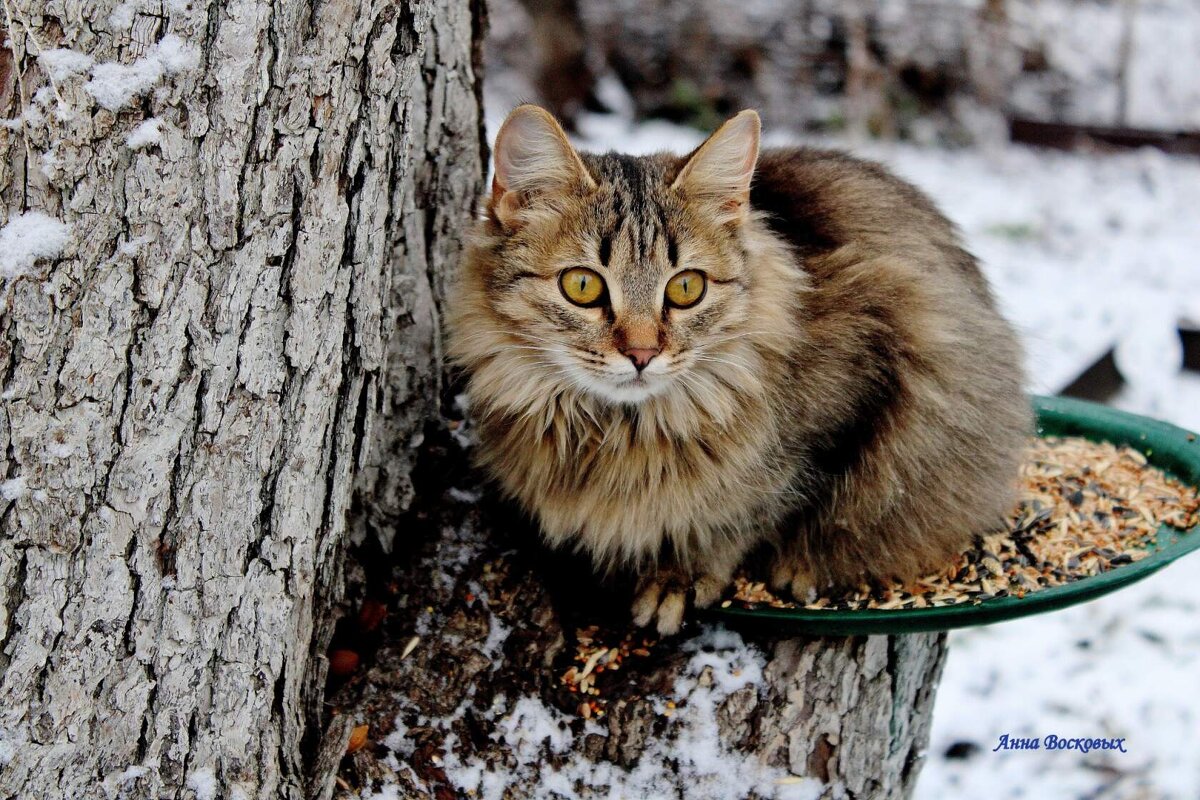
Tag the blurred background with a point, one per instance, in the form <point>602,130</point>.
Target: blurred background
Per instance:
<point>1063,137</point>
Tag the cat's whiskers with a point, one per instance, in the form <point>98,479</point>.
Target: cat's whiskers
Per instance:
<point>529,368</point>
<point>730,338</point>
<point>731,361</point>
<point>490,335</point>
<point>702,392</point>
<point>510,347</point>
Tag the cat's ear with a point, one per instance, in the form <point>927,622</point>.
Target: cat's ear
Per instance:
<point>533,158</point>
<point>718,173</point>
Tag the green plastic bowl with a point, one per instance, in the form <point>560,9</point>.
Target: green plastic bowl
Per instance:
<point>1174,450</point>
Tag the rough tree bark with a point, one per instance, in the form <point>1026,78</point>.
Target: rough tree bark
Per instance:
<point>237,344</point>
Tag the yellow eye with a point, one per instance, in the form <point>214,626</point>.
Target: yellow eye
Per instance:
<point>685,289</point>
<point>582,286</point>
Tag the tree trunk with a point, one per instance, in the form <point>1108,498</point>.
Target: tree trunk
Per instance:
<point>472,688</point>
<point>236,344</point>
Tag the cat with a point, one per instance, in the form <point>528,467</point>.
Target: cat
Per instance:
<point>675,361</point>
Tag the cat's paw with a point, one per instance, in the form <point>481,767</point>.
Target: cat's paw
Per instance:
<point>663,599</point>
<point>662,602</point>
<point>789,574</point>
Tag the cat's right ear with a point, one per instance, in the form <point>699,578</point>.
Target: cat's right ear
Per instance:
<point>533,158</point>
<point>718,172</point>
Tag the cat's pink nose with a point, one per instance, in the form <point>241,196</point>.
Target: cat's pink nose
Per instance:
<point>640,356</point>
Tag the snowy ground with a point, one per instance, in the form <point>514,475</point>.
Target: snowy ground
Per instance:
<point>1085,252</point>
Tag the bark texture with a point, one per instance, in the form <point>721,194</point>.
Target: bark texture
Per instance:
<point>238,343</point>
<point>468,695</point>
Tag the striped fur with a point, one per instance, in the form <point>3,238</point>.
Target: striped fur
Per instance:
<point>845,393</point>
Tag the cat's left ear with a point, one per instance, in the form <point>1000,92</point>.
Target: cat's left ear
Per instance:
<point>718,173</point>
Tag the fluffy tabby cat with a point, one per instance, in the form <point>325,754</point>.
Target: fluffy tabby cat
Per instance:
<point>676,360</point>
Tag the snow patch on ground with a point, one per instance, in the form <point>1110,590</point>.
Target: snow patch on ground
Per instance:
<point>1084,251</point>
<point>528,732</point>
<point>398,740</point>
<point>497,635</point>
<point>1122,666</point>
<point>28,237</point>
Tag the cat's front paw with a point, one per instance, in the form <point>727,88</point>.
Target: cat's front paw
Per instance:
<point>663,598</point>
<point>790,574</point>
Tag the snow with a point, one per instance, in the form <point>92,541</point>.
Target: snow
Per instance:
<point>467,496</point>
<point>176,55</point>
<point>721,664</point>
<point>1082,43</point>
<point>114,783</point>
<point>133,246</point>
<point>498,632</point>
<point>1179,403</point>
<point>49,161</point>
<point>58,450</point>
<point>121,17</point>
<point>398,740</point>
<point>61,63</point>
<point>1116,667</point>
<point>1084,251</point>
<point>146,134</point>
<point>204,783</point>
<point>386,793</point>
<point>13,488</point>
<point>131,773</point>
<point>28,237</point>
<point>114,85</point>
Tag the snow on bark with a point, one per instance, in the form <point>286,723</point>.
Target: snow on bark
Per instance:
<point>28,237</point>
<point>238,335</point>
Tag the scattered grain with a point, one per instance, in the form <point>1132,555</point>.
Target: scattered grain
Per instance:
<point>1085,508</point>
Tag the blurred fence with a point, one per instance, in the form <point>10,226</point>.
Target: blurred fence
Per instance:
<point>954,70</point>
